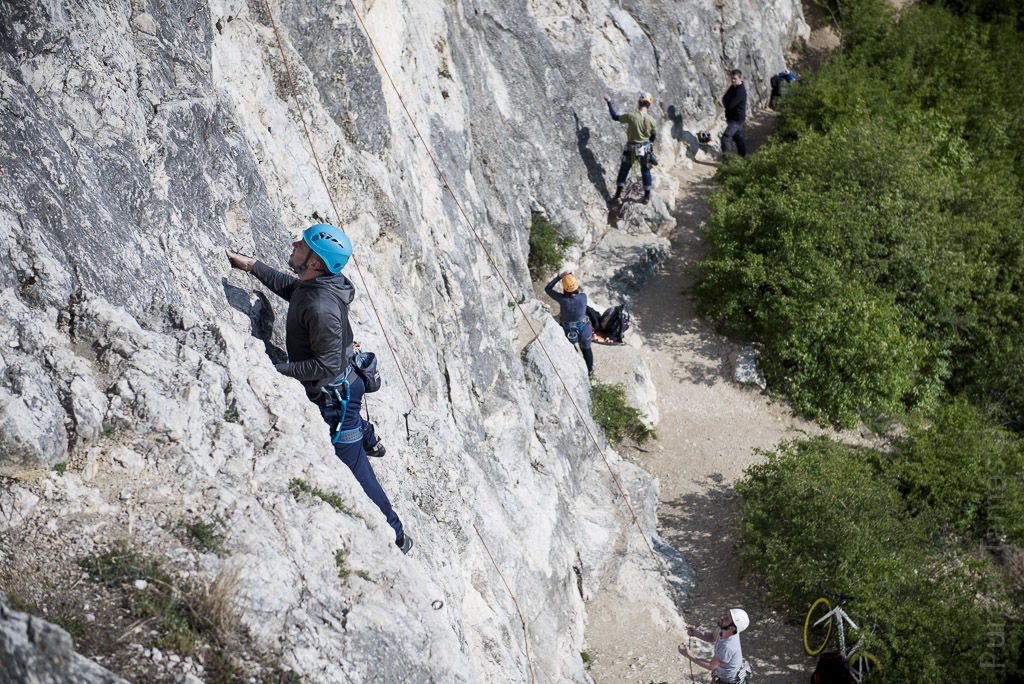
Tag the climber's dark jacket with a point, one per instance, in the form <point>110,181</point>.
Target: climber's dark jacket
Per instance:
<point>318,336</point>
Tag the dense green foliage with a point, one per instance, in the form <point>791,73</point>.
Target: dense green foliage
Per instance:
<point>547,247</point>
<point>819,518</point>
<point>876,250</point>
<point>616,417</point>
<point>965,475</point>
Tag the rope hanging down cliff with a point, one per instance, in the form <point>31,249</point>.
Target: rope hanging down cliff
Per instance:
<point>470,224</point>
<point>309,138</point>
<point>330,196</point>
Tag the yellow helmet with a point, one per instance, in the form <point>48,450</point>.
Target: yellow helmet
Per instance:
<point>569,283</point>
<point>646,98</point>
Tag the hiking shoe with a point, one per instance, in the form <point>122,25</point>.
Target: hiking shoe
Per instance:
<point>377,451</point>
<point>617,197</point>
<point>404,544</point>
<point>647,198</point>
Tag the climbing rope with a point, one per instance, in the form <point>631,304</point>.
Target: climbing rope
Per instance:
<point>508,288</point>
<point>522,620</point>
<point>330,196</point>
<point>522,311</point>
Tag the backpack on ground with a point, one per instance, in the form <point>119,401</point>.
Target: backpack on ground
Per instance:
<point>611,324</point>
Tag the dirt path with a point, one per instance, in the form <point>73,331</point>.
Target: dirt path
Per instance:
<point>708,433</point>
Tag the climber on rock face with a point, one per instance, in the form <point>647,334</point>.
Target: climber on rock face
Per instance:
<point>726,664</point>
<point>572,314</point>
<point>319,341</point>
<point>640,136</point>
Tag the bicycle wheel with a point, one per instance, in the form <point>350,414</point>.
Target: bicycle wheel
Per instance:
<point>816,635</point>
<point>862,665</point>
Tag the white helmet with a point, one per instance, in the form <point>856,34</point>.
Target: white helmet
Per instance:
<point>646,98</point>
<point>739,618</point>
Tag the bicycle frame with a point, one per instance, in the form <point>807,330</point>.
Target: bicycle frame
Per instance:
<point>860,662</point>
<point>840,616</point>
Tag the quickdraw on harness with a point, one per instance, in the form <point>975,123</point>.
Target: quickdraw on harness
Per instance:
<point>337,394</point>
<point>574,331</point>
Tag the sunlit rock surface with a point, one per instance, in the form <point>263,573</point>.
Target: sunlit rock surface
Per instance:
<point>139,139</point>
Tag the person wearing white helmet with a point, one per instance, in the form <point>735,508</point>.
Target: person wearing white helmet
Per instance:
<point>726,663</point>
<point>640,136</point>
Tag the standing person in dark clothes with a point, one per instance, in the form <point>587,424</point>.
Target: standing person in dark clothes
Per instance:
<point>735,101</point>
<point>572,314</point>
<point>318,338</point>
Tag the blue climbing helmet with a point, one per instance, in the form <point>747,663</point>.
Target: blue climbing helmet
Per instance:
<point>330,244</point>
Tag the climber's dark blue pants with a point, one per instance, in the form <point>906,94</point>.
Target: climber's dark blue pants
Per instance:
<point>354,456</point>
<point>627,163</point>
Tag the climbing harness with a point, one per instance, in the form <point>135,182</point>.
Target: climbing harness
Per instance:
<point>638,150</point>
<point>574,331</point>
<point>336,393</point>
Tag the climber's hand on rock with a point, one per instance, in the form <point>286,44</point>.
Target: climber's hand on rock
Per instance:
<point>240,261</point>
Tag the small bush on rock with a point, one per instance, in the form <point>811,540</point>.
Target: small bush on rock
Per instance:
<point>617,418</point>
<point>547,246</point>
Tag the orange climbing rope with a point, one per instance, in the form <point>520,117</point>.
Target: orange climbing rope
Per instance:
<point>515,602</point>
<point>330,196</point>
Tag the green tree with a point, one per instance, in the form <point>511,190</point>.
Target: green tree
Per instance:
<point>821,517</point>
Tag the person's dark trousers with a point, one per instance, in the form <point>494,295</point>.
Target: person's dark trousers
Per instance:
<point>370,438</point>
<point>355,458</point>
<point>645,171</point>
<point>734,132</point>
<point>588,355</point>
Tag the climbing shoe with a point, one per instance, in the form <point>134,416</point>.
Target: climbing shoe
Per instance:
<point>404,544</point>
<point>647,197</point>
<point>617,197</point>
<point>377,451</point>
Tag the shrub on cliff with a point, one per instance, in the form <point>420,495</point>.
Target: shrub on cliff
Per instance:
<point>547,246</point>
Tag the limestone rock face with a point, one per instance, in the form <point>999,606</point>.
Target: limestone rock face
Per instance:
<point>138,139</point>
<point>35,652</point>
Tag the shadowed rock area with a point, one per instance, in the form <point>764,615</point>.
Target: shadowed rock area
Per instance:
<point>137,391</point>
